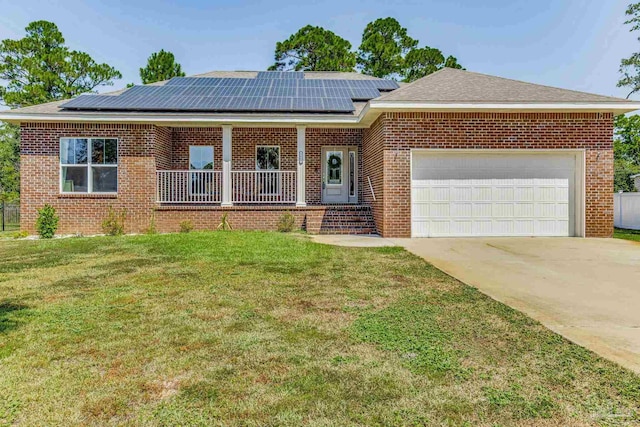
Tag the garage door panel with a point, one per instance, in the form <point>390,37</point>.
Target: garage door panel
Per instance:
<point>524,227</point>
<point>482,209</point>
<point>440,210</point>
<point>524,209</point>
<point>492,195</point>
<point>481,192</point>
<point>440,193</point>
<point>461,209</point>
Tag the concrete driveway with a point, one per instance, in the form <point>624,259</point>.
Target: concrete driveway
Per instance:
<point>587,290</point>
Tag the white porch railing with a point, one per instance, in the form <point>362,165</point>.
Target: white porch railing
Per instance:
<point>263,186</point>
<point>191,186</point>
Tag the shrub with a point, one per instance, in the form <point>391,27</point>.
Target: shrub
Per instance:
<point>47,222</point>
<point>113,225</point>
<point>224,223</point>
<point>186,226</point>
<point>19,234</point>
<point>287,222</point>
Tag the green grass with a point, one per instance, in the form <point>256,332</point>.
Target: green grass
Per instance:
<point>268,329</point>
<point>621,233</point>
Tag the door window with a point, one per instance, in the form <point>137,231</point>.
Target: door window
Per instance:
<point>334,167</point>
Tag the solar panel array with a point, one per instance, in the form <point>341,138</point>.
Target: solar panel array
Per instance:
<point>274,93</point>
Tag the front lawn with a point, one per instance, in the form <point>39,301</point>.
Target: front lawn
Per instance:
<point>622,233</point>
<point>267,329</point>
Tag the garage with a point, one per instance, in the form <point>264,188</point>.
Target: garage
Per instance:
<point>479,193</point>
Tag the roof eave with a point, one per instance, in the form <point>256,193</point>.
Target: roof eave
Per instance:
<point>166,119</point>
<point>614,107</point>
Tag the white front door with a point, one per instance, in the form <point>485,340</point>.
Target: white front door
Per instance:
<point>339,175</point>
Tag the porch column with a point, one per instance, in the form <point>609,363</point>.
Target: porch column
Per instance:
<point>301,200</point>
<point>226,165</point>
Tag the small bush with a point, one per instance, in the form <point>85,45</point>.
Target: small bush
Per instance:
<point>19,234</point>
<point>47,222</point>
<point>152,225</point>
<point>286,223</point>
<point>113,225</point>
<point>224,223</point>
<point>186,226</point>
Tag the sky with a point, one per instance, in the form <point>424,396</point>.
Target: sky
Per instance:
<point>573,44</point>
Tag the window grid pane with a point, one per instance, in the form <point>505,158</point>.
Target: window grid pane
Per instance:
<point>96,160</point>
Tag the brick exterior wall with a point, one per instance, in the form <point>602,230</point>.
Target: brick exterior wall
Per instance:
<point>83,213</point>
<point>384,158</point>
<point>373,169</point>
<point>184,137</point>
<point>164,148</point>
<point>144,148</point>
<point>402,132</point>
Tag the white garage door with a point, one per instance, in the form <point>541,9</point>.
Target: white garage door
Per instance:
<point>502,194</point>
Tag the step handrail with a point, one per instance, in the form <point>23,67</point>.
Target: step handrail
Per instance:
<point>373,193</point>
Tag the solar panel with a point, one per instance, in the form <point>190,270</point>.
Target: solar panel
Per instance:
<point>280,75</point>
<point>337,104</point>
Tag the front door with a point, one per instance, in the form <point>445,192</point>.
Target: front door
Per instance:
<point>339,175</point>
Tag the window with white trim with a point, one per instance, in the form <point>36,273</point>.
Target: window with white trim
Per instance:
<point>88,165</point>
<point>268,160</point>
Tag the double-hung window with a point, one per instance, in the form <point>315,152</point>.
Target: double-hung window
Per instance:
<point>268,160</point>
<point>88,165</point>
<point>200,161</point>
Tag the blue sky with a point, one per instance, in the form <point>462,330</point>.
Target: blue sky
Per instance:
<point>574,44</point>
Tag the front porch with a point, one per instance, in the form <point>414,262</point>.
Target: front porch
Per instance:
<point>230,166</point>
<point>255,175</point>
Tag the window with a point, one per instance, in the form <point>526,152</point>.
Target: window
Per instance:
<point>352,174</point>
<point>88,165</point>
<point>201,159</point>
<point>268,159</point>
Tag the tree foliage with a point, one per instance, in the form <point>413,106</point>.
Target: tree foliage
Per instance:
<point>421,62</point>
<point>160,66</point>
<point>630,67</point>
<point>314,49</point>
<point>384,44</point>
<point>626,149</point>
<point>9,162</point>
<point>40,68</point>
<point>387,51</point>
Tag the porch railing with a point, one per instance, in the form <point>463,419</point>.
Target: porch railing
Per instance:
<point>191,186</point>
<point>263,186</point>
<point>205,186</point>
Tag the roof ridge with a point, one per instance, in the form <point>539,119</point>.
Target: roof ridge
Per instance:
<point>408,85</point>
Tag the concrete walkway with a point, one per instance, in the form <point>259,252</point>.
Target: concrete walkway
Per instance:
<point>587,290</point>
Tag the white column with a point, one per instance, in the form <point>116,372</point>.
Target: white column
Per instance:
<point>226,165</point>
<point>300,184</point>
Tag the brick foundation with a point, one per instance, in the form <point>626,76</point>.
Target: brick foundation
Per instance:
<point>345,219</point>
